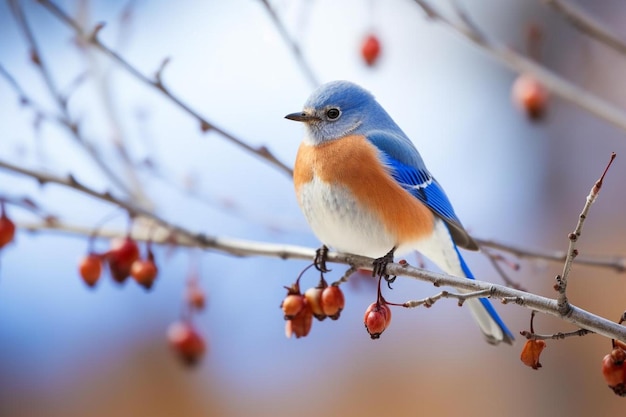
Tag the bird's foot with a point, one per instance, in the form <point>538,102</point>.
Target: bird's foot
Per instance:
<point>380,267</point>
<point>321,256</point>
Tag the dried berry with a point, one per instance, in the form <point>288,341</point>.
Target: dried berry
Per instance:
<point>314,298</point>
<point>144,272</point>
<point>186,342</point>
<point>301,324</point>
<point>377,318</point>
<point>370,49</point>
<point>530,353</point>
<point>90,268</point>
<point>121,256</point>
<point>614,371</point>
<point>292,305</point>
<point>530,96</point>
<point>332,301</point>
<point>195,296</point>
<point>7,228</point>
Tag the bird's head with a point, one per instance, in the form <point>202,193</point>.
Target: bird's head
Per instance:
<point>336,109</point>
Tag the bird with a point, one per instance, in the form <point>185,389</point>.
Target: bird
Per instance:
<point>364,189</point>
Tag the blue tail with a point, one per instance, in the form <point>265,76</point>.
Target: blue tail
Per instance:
<point>508,336</point>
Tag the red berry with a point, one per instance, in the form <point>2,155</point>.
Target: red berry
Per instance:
<point>195,297</point>
<point>186,342</point>
<point>332,301</point>
<point>301,324</point>
<point>614,371</point>
<point>121,256</point>
<point>530,353</point>
<point>370,49</point>
<point>292,305</point>
<point>90,268</point>
<point>144,271</point>
<point>314,298</point>
<point>530,96</point>
<point>7,229</point>
<point>377,318</point>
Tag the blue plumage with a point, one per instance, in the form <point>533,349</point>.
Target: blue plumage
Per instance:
<point>340,110</point>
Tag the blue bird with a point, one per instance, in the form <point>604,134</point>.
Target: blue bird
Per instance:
<point>364,189</point>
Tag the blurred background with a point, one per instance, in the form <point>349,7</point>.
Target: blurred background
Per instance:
<point>66,350</point>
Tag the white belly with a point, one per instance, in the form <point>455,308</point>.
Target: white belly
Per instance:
<point>339,222</point>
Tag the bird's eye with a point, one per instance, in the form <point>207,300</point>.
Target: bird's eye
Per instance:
<point>333,113</point>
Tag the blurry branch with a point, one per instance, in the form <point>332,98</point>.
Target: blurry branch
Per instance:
<point>177,234</point>
<point>517,62</point>
<point>61,101</point>
<point>91,38</point>
<point>240,247</point>
<point>588,24</point>
<point>293,45</point>
<point>618,264</point>
<point>495,260</point>
<point>25,100</point>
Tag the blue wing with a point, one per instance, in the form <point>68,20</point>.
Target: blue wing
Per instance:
<point>408,169</point>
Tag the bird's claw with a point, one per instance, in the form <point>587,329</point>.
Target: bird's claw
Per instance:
<point>380,267</point>
<point>321,256</point>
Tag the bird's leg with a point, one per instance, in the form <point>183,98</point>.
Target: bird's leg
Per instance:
<point>321,256</point>
<point>380,267</point>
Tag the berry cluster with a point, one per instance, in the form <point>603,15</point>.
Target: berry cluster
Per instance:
<point>320,302</point>
<point>123,259</point>
<point>324,301</point>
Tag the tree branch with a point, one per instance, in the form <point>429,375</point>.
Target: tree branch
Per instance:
<point>61,102</point>
<point>92,39</point>
<point>293,45</point>
<point>517,62</point>
<point>618,264</point>
<point>241,247</point>
<point>588,24</point>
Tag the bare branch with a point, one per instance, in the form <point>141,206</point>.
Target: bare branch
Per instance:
<point>92,39</point>
<point>618,264</point>
<point>555,336</point>
<point>588,24</point>
<point>495,262</point>
<point>572,252</point>
<point>517,62</point>
<point>293,45</point>
<point>240,247</point>
<point>429,301</point>
<point>60,100</point>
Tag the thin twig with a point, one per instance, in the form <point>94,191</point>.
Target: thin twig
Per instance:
<point>429,301</point>
<point>618,264</point>
<point>495,262</point>
<point>572,252</point>
<point>91,38</point>
<point>588,24</point>
<point>60,100</point>
<point>293,45</point>
<point>555,336</point>
<point>517,62</point>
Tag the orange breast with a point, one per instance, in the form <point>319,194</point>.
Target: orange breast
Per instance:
<point>352,162</point>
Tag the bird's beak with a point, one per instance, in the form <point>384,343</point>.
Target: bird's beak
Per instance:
<point>301,117</point>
